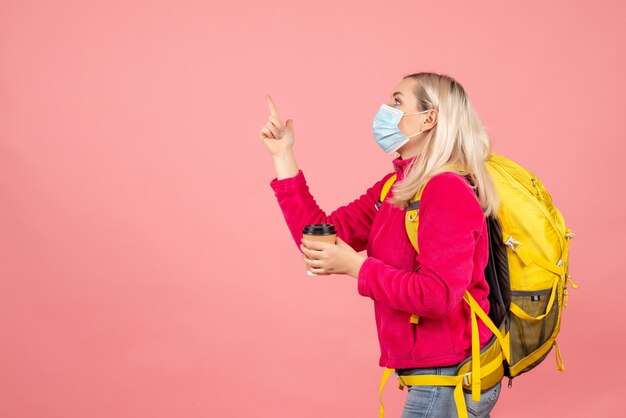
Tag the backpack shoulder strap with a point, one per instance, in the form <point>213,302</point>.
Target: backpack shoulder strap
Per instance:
<point>411,220</point>
<point>383,193</point>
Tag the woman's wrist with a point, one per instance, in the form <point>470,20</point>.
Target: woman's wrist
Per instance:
<point>285,164</point>
<point>356,267</point>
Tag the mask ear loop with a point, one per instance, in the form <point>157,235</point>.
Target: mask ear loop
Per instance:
<point>416,113</point>
<point>415,134</point>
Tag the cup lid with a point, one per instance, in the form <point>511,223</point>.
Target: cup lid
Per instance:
<point>319,229</point>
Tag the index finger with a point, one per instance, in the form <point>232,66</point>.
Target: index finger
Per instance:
<point>315,245</point>
<point>273,110</point>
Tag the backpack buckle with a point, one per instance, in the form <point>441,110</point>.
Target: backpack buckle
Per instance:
<point>512,242</point>
<point>401,384</point>
<point>466,379</point>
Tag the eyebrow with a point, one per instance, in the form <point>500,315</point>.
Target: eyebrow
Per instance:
<point>397,92</point>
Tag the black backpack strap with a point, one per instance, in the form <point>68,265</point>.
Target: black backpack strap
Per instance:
<point>413,205</point>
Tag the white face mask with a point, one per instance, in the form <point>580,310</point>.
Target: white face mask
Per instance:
<point>385,128</point>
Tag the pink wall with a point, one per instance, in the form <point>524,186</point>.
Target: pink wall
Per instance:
<point>145,267</point>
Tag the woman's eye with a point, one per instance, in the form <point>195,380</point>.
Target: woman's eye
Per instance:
<point>397,101</point>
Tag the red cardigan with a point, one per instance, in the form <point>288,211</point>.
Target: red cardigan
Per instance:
<point>454,249</point>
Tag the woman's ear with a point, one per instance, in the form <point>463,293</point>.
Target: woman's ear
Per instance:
<point>431,120</point>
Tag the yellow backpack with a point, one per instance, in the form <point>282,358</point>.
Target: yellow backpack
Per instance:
<point>527,274</point>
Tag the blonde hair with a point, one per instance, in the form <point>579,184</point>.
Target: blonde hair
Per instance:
<point>458,138</point>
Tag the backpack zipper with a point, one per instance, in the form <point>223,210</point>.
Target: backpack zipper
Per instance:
<point>536,186</point>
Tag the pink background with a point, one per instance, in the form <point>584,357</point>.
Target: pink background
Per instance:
<point>146,269</point>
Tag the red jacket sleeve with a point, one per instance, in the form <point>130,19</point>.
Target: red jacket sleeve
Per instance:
<point>353,221</point>
<point>450,222</point>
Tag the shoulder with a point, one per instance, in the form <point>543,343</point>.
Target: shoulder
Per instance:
<point>448,183</point>
<point>451,192</point>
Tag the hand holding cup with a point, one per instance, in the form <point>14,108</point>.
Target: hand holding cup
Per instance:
<point>319,233</point>
<point>325,253</point>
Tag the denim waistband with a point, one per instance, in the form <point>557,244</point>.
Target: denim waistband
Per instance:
<point>445,370</point>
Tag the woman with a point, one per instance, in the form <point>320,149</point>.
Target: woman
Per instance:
<point>430,122</point>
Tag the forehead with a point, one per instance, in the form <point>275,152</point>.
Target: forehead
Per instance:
<point>405,86</point>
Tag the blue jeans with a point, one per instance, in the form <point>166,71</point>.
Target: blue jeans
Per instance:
<point>438,401</point>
